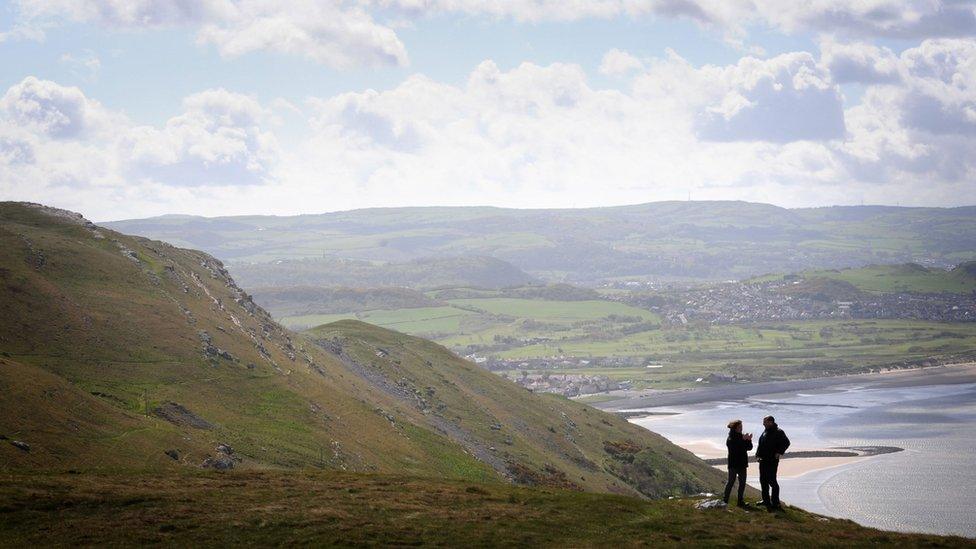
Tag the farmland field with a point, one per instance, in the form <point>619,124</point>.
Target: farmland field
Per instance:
<point>420,320</point>
<point>596,337</point>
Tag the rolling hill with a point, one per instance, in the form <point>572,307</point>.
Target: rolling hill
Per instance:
<point>660,240</point>
<point>422,273</point>
<point>129,369</point>
<point>908,277</point>
<point>304,300</point>
<point>118,352</point>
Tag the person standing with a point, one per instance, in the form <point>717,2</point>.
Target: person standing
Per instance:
<point>773,443</point>
<point>739,445</point>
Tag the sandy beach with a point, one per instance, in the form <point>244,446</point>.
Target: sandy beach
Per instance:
<point>892,450</point>
<point>788,467</point>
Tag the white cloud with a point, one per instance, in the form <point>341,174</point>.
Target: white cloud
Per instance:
<point>332,32</point>
<point>859,62</point>
<point>51,109</point>
<point>56,144</point>
<point>857,18</point>
<point>327,32</point>
<point>873,18</point>
<point>619,63</point>
<point>782,99</point>
<point>532,136</point>
<point>219,140</point>
<point>347,33</point>
<point>923,129</point>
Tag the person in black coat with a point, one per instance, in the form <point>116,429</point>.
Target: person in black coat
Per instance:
<point>772,445</point>
<point>739,445</point>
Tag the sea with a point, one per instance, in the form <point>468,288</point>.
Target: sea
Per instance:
<point>928,487</point>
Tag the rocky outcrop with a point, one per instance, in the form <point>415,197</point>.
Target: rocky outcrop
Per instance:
<point>178,415</point>
<point>225,459</point>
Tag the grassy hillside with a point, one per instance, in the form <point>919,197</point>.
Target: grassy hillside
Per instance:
<point>326,509</point>
<point>909,277</point>
<point>541,439</point>
<point>674,240</point>
<point>123,353</point>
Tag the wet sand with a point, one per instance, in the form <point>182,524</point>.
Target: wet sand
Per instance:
<point>788,467</point>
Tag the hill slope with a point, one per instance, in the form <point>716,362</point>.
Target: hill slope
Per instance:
<point>536,439</point>
<point>327,509</point>
<point>909,277</point>
<point>699,240</point>
<point>120,352</point>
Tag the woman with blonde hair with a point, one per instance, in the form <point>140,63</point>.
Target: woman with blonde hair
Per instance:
<point>739,445</point>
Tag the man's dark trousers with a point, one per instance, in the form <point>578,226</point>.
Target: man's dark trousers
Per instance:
<point>767,479</point>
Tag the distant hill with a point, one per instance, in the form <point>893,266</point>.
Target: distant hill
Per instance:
<point>121,353</point>
<point>425,273</point>
<point>660,240</point>
<point>306,300</point>
<point>549,292</point>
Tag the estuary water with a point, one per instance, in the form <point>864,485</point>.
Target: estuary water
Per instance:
<point>930,486</point>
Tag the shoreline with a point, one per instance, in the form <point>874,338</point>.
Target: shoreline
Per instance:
<point>795,463</point>
<point>634,407</point>
<point>849,470</point>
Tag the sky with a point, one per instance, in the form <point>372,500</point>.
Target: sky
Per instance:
<point>134,108</point>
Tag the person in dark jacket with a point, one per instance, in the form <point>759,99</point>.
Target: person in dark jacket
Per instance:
<point>739,445</point>
<point>772,445</point>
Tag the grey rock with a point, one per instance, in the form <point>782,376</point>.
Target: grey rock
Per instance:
<point>20,444</point>
<point>711,504</point>
<point>220,463</point>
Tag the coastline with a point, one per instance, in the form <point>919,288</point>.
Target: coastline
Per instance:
<point>794,464</point>
<point>791,467</point>
<point>850,457</point>
<point>634,403</point>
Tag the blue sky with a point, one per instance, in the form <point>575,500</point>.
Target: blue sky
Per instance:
<point>125,109</point>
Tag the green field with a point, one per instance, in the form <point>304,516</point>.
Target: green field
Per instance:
<point>903,278</point>
<point>770,352</point>
<point>475,321</point>
<point>420,320</point>
<point>618,340</point>
<point>554,311</point>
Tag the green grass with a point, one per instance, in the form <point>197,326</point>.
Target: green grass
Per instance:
<point>419,320</point>
<point>519,329</point>
<point>901,278</point>
<point>329,508</point>
<point>767,351</point>
<point>555,311</point>
<point>505,424</point>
